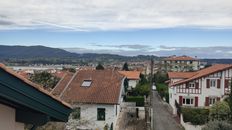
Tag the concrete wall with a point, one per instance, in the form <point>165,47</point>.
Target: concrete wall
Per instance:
<point>7,119</point>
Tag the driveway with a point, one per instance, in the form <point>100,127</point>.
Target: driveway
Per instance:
<point>162,118</point>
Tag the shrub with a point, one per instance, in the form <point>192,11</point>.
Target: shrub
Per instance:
<point>138,99</point>
<point>196,116</point>
<point>220,110</point>
<point>142,89</point>
<point>218,125</point>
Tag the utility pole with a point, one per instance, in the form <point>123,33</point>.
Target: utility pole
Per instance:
<point>148,103</point>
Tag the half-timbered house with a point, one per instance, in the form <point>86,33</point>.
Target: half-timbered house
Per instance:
<point>201,88</point>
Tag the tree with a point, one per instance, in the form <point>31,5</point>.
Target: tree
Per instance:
<point>230,100</point>
<point>217,125</point>
<point>125,67</point>
<point>47,80</point>
<point>220,111</point>
<point>99,67</point>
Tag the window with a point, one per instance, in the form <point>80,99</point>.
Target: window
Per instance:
<point>86,83</point>
<point>212,100</point>
<point>212,83</point>
<point>191,85</point>
<point>101,114</point>
<point>188,101</point>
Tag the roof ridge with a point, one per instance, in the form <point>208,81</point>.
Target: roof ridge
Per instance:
<point>58,83</point>
<point>69,82</point>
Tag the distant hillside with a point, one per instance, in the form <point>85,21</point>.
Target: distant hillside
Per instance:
<point>25,55</point>
<point>217,61</point>
<point>33,52</point>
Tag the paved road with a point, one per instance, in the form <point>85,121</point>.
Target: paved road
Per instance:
<point>162,120</point>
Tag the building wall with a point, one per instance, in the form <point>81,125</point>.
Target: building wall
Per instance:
<point>89,114</point>
<point>132,83</point>
<point>203,91</point>
<point>7,119</point>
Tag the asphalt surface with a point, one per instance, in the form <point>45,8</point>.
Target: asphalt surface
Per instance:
<point>162,119</point>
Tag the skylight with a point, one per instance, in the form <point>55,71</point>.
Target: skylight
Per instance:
<point>86,83</point>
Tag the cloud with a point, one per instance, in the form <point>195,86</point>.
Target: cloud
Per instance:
<point>92,15</point>
<point>201,52</point>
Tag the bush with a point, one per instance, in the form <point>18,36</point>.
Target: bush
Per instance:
<point>142,89</point>
<point>218,125</point>
<point>138,99</point>
<point>196,116</point>
<point>220,111</point>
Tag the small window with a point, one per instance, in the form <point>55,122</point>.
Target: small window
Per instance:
<point>191,85</point>
<point>188,101</point>
<point>101,114</point>
<point>212,100</point>
<point>86,83</point>
<point>213,83</point>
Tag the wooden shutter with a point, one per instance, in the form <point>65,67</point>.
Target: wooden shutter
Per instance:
<point>180,100</point>
<point>226,83</point>
<point>196,101</point>
<point>197,85</point>
<point>218,83</point>
<point>206,101</point>
<point>207,83</point>
<point>218,99</point>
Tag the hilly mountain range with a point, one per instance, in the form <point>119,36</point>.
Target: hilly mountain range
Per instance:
<point>48,55</point>
<point>25,55</point>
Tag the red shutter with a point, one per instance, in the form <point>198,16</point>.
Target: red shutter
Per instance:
<point>196,101</point>
<point>218,83</point>
<point>207,83</point>
<point>206,101</point>
<point>180,100</point>
<point>218,99</point>
<point>197,85</point>
<point>226,83</point>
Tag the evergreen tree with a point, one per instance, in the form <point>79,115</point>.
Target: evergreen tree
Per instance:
<point>230,99</point>
<point>99,67</point>
<point>125,67</point>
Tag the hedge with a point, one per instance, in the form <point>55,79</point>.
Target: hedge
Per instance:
<point>197,116</point>
<point>138,99</point>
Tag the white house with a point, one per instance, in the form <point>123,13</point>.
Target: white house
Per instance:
<point>97,94</point>
<point>23,102</point>
<point>133,78</point>
<point>201,88</point>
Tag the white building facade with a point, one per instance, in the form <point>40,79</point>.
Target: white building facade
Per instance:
<point>203,89</point>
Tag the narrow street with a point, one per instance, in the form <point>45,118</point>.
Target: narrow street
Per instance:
<point>163,120</point>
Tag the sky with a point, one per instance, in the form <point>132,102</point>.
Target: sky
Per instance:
<point>125,27</point>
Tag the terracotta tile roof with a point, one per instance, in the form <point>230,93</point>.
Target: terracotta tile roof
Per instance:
<point>36,86</point>
<point>180,75</point>
<point>105,87</point>
<point>59,74</point>
<point>179,58</point>
<point>205,72</point>
<point>62,83</point>
<point>131,74</point>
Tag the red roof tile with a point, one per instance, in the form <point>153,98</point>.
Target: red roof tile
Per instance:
<point>131,74</point>
<point>179,58</point>
<point>205,72</point>
<point>104,89</point>
<point>180,75</point>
